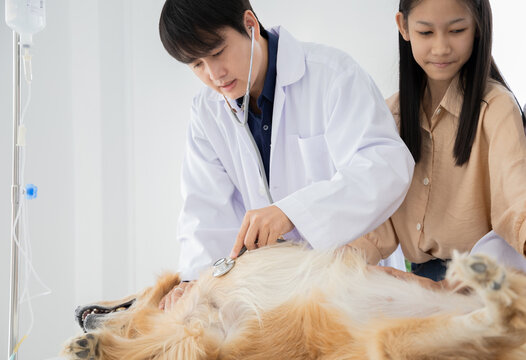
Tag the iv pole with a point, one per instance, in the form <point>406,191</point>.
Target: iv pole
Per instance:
<point>15,199</point>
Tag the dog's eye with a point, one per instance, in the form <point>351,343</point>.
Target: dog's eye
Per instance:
<point>122,308</point>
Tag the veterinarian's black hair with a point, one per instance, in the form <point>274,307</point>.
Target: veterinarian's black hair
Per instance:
<point>190,29</point>
<point>474,76</point>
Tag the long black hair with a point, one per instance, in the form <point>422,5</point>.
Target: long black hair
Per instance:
<point>189,29</point>
<point>474,76</point>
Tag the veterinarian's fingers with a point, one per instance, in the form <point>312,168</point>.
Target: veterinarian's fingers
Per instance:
<point>282,221</point>
<point>273,237</point>
<point>240,239</point>
<point>263,237</point>
<point>251,237</point>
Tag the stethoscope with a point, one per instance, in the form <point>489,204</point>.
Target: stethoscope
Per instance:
<point>224,265</point>
<point>246,98</point>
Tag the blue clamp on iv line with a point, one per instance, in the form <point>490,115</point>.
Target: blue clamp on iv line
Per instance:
<point>31,191</point>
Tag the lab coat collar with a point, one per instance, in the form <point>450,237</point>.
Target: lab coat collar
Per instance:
<point>290,63</point>
<point>291,58</point>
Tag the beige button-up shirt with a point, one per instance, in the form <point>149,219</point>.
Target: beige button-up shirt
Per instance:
<point>450,207</point>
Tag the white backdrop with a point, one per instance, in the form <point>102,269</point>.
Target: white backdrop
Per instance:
<point>106,131</point>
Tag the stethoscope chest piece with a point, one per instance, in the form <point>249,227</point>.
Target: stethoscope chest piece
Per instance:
<point>222,266</point>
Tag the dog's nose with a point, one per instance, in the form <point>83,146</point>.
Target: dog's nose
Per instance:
<point>78,317</point>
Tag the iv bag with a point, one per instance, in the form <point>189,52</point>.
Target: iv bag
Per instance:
<point>26,17</point>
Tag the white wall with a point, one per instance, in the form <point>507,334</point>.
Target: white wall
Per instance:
<point>509,43</point>
<point>365,29</point>
<point>106,132</point>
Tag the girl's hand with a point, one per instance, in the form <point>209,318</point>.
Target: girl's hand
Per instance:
<point>407,276</point>
<point>424,282</point>
<point>260,228</point>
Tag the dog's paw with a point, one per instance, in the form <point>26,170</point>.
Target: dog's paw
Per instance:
<point>84,347</point>
<point>481,273</point>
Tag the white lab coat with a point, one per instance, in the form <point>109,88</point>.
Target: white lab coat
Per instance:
<point>338,168</point>
<point>496,247</point>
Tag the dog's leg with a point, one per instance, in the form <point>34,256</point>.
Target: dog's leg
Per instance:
<point>105,345</point>
<point>496,331</point>
<point>84,347</point>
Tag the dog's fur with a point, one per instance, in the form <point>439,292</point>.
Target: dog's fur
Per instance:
<point>286,302</point>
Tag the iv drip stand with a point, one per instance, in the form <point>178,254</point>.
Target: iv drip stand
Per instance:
<point>15,199</point>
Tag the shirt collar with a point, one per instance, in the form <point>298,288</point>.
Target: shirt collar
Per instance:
<point>451,102</point>
<point>270,78</point>
<point>453,98</point>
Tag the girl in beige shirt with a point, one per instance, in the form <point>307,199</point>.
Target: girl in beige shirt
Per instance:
<point>465,131</point>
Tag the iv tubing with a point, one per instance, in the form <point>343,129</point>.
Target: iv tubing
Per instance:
<point>15,200</point>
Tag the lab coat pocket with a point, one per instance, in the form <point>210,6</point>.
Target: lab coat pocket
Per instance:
<point>316,158</point>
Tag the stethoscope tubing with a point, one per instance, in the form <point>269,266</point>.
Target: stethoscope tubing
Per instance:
<point>224,265</point>
<point>246,97</point>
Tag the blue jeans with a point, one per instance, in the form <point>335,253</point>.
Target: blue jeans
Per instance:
<point>433,269</point>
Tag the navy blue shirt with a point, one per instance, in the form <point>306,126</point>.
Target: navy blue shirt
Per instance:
<point>261,125</point>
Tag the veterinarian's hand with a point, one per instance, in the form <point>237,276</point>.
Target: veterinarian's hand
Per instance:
<point>169,300</point>
<point>260,228</point>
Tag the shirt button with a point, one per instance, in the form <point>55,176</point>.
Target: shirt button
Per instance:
<point>262,191</point>
<point>439,110</point>
<point>419,226</point>
<point>431,136</point>
<point>265,127</point>
<point>426,181</point>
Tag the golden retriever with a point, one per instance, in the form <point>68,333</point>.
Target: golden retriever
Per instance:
<point>288,302</point>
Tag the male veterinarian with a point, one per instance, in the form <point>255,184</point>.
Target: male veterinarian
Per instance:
<point>319,160</point>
